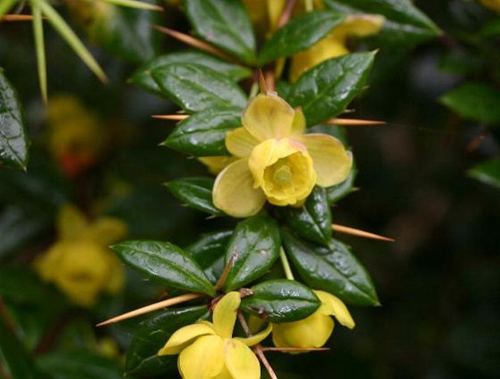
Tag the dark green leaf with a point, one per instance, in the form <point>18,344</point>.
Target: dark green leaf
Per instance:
<point>79,364</point>
<point>150,337</point>
<point>325,90</point>
<point>487,172</point>
<point>13,142</point>
<point>404,23</point>
<point>209,251</point>
<point>300,33</point>
<point>281,300</point>
<point>195,88</point>
<point>195,192</point>
<point>253,249</point>
<point>333,269</point>
<point>203,134</point>
<point>313,220</point>
<point>339,191</point>
<point>475,101</point>
<point>225,24</point>
<point>144,79</point>
<point>14,357</point>
<point>166,263</point>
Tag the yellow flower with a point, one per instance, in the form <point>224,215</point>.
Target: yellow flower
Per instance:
<point>491,4</point>
<point>79,263</point>
<point>265,14</point>
<point>208,349</point>
<point>334,44</point>
<point>277,161</point>
<point>76,137</point>
<point>315,330</point>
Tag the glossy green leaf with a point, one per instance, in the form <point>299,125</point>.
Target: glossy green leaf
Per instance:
<point>313,220</point>
<point>152,334</point>
<point>253,249</point>
<point>13,141</point>
<point>195,88</point>
<point>203,134</point>
<point>333,269</point>
<point>195,192</point>
<point>281,300</point>
<point>165,263</point>
<point>225,24</point>
<point>325,90</point>
<point>298,34</point>
<point>475,101</point>
<point>487,172</point>
<point>14,358</point>
<point>143,76</point>
<point>79,364</point>
<point>209,251</point>
<point>404,23</point>
<point>341,190</point>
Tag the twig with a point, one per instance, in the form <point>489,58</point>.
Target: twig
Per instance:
<point>16,17</point>
<point>151,308</point>
<point>287,13</point>
<point>225,273</point>
<point>360,233</point>
<point>191,41</point>
<point>259,350</point>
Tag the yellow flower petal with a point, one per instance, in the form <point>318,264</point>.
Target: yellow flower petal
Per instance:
<point>217,163</point>
<point>116,274</point>
<point>332,161</point>
<point>256,338</point>
<point>492,4</point>
<point>299,123</point>
<point>268,116</point>
<point>71,223</point>
<point>183,337</point>
<point>203,359</point>
<point>225,313</point>
<point>107,230</point>
<point>360,25</point>
<point>240,142</point>
<point>332,305</point>
<point>240,360</point>
<point>312,331</point>
<point>234,192</point>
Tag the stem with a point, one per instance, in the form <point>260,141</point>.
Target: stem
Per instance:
<point>309,5</point>
<point>254,90</point>
<point>257,348</point>
<point>286,265</point>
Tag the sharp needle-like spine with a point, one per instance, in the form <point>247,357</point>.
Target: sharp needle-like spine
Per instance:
<point>360,233</point>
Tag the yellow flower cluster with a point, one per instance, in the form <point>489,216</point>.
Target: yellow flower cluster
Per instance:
<point>80,263</point>
<point>208,349</point>
<point>275,160</point>
<point>76,136</point>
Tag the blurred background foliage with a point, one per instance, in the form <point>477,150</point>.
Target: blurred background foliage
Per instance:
<point>417,179</point>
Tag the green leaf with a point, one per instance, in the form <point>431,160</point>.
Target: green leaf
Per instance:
<point>166,263</point>
<point>313,220</point>
<point>487,172</point>
<point>333,269</point>
<point>124,32</point>
<point>203,134</point>
<point>281,300</point>
<point>209,252</point>
<point>325,90</point>
<point>195,192</point>
<point>475,101</point>
<point>143,76</point>
<point>79,364</point>
<point>195,88</point>
<point>253,249</point>
<point>341,190</point>
<point>13,143</point>
<point>225,24</point>
<point>142,359</point>
<point>14,357</point>
<point>300,33</point>
<point>404,23</point>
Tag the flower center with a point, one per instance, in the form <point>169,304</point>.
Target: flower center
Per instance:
<point>283,174</point>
